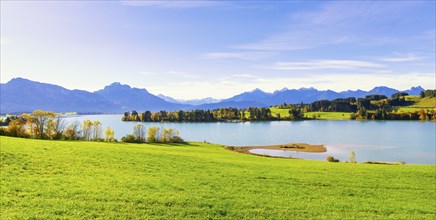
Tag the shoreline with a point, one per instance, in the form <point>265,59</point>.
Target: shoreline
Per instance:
<point>297,147</point>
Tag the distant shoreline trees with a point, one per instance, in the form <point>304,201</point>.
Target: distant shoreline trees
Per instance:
<point>428,93</point>
<point>217,115</point>
<point>372,107</point>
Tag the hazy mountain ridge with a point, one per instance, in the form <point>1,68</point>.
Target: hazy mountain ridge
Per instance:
<point>128,98</point>
<point>309,95</point>
<point>206,100</point>
<point>23,95</point>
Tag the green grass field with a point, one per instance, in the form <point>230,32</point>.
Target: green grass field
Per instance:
<point>59,179</point>
<point>323,115</point>
<point>419,103</point>
<point>329,115</point>
<point>282,112</point>
<point>425,103</point>
<point>410,109</point>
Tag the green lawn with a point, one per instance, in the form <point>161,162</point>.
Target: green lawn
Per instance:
<point>329,115</point>
<point>323,115</point>
<point>59,179</point>
<point>419,103</point>
<point>410,109</point>
<point>425,103</point>
<point>412,98</point>
<point>282,112</point>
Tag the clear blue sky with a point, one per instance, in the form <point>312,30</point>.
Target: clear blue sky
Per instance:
<point>197,49</point>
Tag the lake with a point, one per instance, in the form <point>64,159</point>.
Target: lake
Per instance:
<point>408,141</point>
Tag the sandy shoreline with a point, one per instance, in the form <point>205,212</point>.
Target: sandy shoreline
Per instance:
<point>300,147</point>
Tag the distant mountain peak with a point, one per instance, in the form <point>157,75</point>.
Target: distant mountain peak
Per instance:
<point>381,87</point>
<point>302,88</point>
<point>118,85</point>
<point>257,90</point>
<point>20,80</point>
<point>414,90</point>
<point>115,84</point>
<point>417,87</point>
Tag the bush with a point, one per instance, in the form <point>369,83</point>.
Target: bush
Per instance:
<point>332,159</point>
<point>3,131</point>
<point>176,139</point>
<point>130,138</point>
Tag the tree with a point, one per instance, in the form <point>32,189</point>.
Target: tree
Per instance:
<point>296,113</point>
<point>56,127</point>
<point>399,95</point>
<point>153,135</point>
<point>429,93</point>
<point>363,103</point>
<point>50,129</point>
<point>109,134</point>
<point>40,120</point>
<point>155,116</point>
<point>139,133</point>
<point>352,157</point>
<point>422,94</point>
<point>87,130</point>
<point>129,138</point>
<point>96,130</point>
<point>16,128</point>
<point>168,135</point>
<point>72,132</point>
<point>375,97</point>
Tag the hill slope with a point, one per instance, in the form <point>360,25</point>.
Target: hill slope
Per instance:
<point>426,102</point>
<point>51,179</point>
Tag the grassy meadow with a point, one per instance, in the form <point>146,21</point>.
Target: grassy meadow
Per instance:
<point>329,115</point>
<point>426,102</point>
<point>59,179</point>
<point>322,115</point>
<point>418,104</point>
<point>282,112</point>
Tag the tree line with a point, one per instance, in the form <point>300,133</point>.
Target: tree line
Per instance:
<point>371,107</point>
<point>222,114</point>
<point>428,93</point>
<point>49,125</point>
<point>154,135</point>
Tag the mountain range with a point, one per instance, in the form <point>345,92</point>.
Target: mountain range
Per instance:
<point>23,95</point>
<point>189,102</point>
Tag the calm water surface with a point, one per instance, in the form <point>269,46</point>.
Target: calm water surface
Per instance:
<point>409,141</point>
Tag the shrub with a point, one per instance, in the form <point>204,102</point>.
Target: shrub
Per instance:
<point>177,139</point>
<point>3,131</point>
<point>130,138</point>
<point>332,159</point>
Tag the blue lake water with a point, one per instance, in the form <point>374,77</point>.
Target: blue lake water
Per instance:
<point>409,141</point>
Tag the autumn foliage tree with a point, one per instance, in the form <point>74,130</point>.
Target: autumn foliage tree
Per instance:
<point>16,128</point>
<point>109,134</point>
